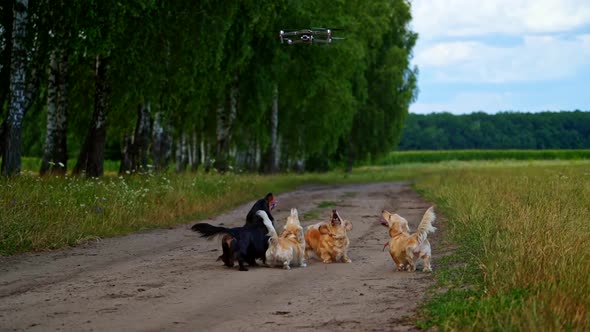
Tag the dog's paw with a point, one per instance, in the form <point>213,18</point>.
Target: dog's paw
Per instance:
<point>347,260</point>
<point>427,269</point>
<point>303,265</point>
<point>327,261</point>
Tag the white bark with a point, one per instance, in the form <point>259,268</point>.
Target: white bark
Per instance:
<point>274,125</point>
<point>50,135</point>
<point>11,158</point>
<point>203,151</point>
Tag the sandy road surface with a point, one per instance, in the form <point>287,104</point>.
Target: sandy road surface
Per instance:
<point>168,280</point>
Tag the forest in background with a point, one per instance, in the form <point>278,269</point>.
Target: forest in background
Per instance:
<point>505,130</point>
<point>201,83</point>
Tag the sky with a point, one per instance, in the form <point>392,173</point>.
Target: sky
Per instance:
<point>502,55</point>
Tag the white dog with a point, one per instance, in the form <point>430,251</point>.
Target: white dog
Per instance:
<point>287,248</point>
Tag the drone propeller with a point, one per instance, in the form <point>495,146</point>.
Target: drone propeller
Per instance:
<point>333,29</point>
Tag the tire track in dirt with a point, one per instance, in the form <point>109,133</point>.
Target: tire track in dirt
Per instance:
<point>169,279</point>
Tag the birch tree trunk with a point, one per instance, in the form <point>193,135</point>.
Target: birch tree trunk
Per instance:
<point>50,134</point>
<point>61,142</point>
<point>181,153</point>
<point>135,148</point>
<point>91,158</point>
<point>270,162</point>
<point>55,156</point>
<point>11,156</point>
<point>196,151</point>
<point>225,120</point>
<point>274,125</point>
<point>161,143</point>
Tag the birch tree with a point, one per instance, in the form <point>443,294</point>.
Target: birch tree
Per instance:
<point>11,156</point>
<point>91,157</point>
<point>55,156</point>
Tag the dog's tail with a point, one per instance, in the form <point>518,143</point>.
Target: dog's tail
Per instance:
<point>208,231</point>
<point>425,226</point>
<point>271,230</point>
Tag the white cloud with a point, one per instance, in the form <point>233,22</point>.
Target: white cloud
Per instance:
<point>504,49</point>
<point>539,57</point>
<point>440,18</point>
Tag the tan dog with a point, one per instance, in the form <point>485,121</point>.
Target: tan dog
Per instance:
<point>287,248</point>
<point>329,241</point>
<point>406,248</point>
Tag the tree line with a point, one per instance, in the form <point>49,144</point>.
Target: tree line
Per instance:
<point>201,83</point>
<point>505,130</point>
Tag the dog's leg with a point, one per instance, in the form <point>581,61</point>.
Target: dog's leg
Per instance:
<point>302,262</point>
<point>227,255</point>
<point>398,265</point>
<point>411,265</point>
<point>243,256</point>
<point>252,262</point>
<point>241,263</point>
<point>286,265</point>
<point>427,267</point>
<point>307,250</point>
<point>345,257</point>
<point>326,257</point>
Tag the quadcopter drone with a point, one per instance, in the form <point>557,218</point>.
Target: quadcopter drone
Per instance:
<point>308,36</point>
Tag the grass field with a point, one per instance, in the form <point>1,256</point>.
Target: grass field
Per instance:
<point>523,259</point>
<point>520,228</point>
<point>402,157</point>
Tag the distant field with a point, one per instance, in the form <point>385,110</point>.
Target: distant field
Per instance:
<point>401,157</point>
<point>32,164</point>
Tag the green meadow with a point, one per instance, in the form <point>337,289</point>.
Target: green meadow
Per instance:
<point>519,228</point>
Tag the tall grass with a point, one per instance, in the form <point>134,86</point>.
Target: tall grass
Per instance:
<point>524,259</point>
<point>38,213</point>
<point>401,157</point>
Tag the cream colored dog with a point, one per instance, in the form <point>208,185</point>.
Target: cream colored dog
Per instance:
<point>406,248</point>
<point>287,248</point>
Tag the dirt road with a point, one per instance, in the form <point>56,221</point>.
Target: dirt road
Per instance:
<point>168,280</point>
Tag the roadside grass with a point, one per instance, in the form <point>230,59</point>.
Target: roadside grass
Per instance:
<point>39,213</point>
<point>523,256</point>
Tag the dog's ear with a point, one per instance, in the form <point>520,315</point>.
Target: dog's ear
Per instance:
<point>270,199</point>
<point>324,229</point>
<point>348,226</point>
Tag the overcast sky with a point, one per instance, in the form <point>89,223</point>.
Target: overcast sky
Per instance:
<point>500,55</point>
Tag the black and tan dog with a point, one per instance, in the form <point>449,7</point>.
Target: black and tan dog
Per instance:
<point>244,244</point>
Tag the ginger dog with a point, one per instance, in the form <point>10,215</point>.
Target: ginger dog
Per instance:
<point>329,241</point>
<point>406,248</point>
<point>287,248</point>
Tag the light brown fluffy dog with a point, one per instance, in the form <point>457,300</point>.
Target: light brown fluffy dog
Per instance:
<point>329,241</point>
<point>287,248</point>
<point>406,248</point>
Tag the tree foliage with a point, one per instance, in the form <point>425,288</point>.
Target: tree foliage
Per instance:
<point>184,60</point>
<point>506,130</point>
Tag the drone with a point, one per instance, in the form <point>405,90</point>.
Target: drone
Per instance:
<point>308,36</point>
